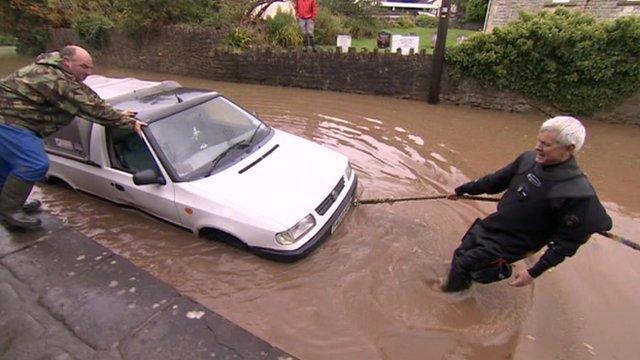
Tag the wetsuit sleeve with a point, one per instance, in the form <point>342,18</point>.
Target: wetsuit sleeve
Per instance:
<point>577,220</point>
<point>78,99</point>
<point>490,184</point>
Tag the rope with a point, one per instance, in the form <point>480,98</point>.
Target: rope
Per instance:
<point>356,202</point>
<point>620,239</point>
<point>434,197</point>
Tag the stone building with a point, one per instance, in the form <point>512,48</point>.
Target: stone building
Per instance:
<point>501,12</point>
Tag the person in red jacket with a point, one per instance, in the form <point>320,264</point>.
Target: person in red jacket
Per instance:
<point>306,11</point>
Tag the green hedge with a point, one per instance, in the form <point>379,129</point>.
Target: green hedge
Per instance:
<point>426,21</point>
<point>282,30</point>
<point>93,29</point>
<point>8,40</point>
<point>476,10</point>
<point>328,27</point>
<point>240,37</point>
<point>563,58</point>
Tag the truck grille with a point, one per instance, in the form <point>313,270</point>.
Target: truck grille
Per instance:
<point>331,198</point>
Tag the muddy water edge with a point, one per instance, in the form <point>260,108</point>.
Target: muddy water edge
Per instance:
<point>368,292</point>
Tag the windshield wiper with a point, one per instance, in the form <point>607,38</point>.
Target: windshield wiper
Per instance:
<point>255,132</point>
<point>238,145</point>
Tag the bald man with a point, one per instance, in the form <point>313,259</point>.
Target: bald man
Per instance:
<point>36,101</point>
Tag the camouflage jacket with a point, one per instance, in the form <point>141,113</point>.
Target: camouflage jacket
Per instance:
<point>43,97</point>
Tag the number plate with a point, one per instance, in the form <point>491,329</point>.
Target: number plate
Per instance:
<point>344,212</point>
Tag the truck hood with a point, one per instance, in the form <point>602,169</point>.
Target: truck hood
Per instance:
<point>283,187</point>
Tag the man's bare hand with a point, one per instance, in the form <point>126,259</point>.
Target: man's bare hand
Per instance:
<point>137,127</point>
<point>129,113</point>
<point>521,278</point>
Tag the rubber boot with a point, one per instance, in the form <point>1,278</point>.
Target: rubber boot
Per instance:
<point>305,42</point>
<point>456,282</point>
<point>14,193</point>
<point>312,43</point>
<point>31,207</point>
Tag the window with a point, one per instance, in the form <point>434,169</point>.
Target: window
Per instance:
<point>190,140</point>
<point>72,140</point>
<point>128,151</point>
<point>561,3</point>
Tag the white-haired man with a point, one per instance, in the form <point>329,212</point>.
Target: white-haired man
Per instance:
<point>548,201</point>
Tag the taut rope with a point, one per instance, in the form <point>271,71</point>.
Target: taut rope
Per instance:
<point>356,202</point>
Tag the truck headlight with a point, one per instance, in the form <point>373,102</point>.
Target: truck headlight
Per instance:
<point>348,171</point>
<point>297,231</point>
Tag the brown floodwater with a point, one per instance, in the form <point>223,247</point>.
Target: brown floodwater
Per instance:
<point>369,291</point>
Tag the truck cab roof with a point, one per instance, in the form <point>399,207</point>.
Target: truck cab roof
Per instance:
<point>150,99</point>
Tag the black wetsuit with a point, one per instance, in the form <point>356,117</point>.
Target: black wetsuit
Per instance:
<point>551,205</point>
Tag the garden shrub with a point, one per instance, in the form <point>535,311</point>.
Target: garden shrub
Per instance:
<point>352,9</point>
<point>328,27</point>
<point>426,21</point>
<point>26,20</point>
<point>405,22</point>
<point>8,40</point>
<point>32,41</point>
<point>139,18</point>
<point>563,58</point>
<point>240,37</point>
<point>476,10</point>
<point>93,29</point>
<point>282,30</point>
<point>225,14</point>
<point>362,27</point>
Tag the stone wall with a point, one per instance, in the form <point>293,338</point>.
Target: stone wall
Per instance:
<point>504,11</point>
<point>193,51</point>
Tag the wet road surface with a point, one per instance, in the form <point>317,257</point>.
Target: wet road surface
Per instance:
<point>369,291</point>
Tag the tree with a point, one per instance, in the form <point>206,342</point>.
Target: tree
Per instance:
<point>140,17</point>
<point>472,10</point>
<point>27,21</point>
<point>264,4</point>
<point>351,8</point>
<point>476,10</point>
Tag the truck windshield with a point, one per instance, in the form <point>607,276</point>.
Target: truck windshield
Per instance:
<point>191,140</point>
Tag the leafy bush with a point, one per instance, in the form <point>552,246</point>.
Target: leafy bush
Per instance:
<point>563,58</point>
<point>476,10</point>
<point>228,13</point>
<point>328,27</point>
<point>282,30</point>
<point>362,27</point>
<point>26,21</point>
<point>32,41</point>
<point>138,18</point>
<point>93,29</point>
<point>471,10</point>
<point>8,40</point>
<point>405,22</point>
<point>351,9</point>
<point>426,21</point>
<point>240,37</point>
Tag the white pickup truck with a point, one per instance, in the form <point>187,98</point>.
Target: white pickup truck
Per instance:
<point>207,165</point>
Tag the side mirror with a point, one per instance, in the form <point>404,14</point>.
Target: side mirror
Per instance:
<point>147,177</point>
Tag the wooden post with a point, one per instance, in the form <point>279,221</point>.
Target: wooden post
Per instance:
<point>438,53</point>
